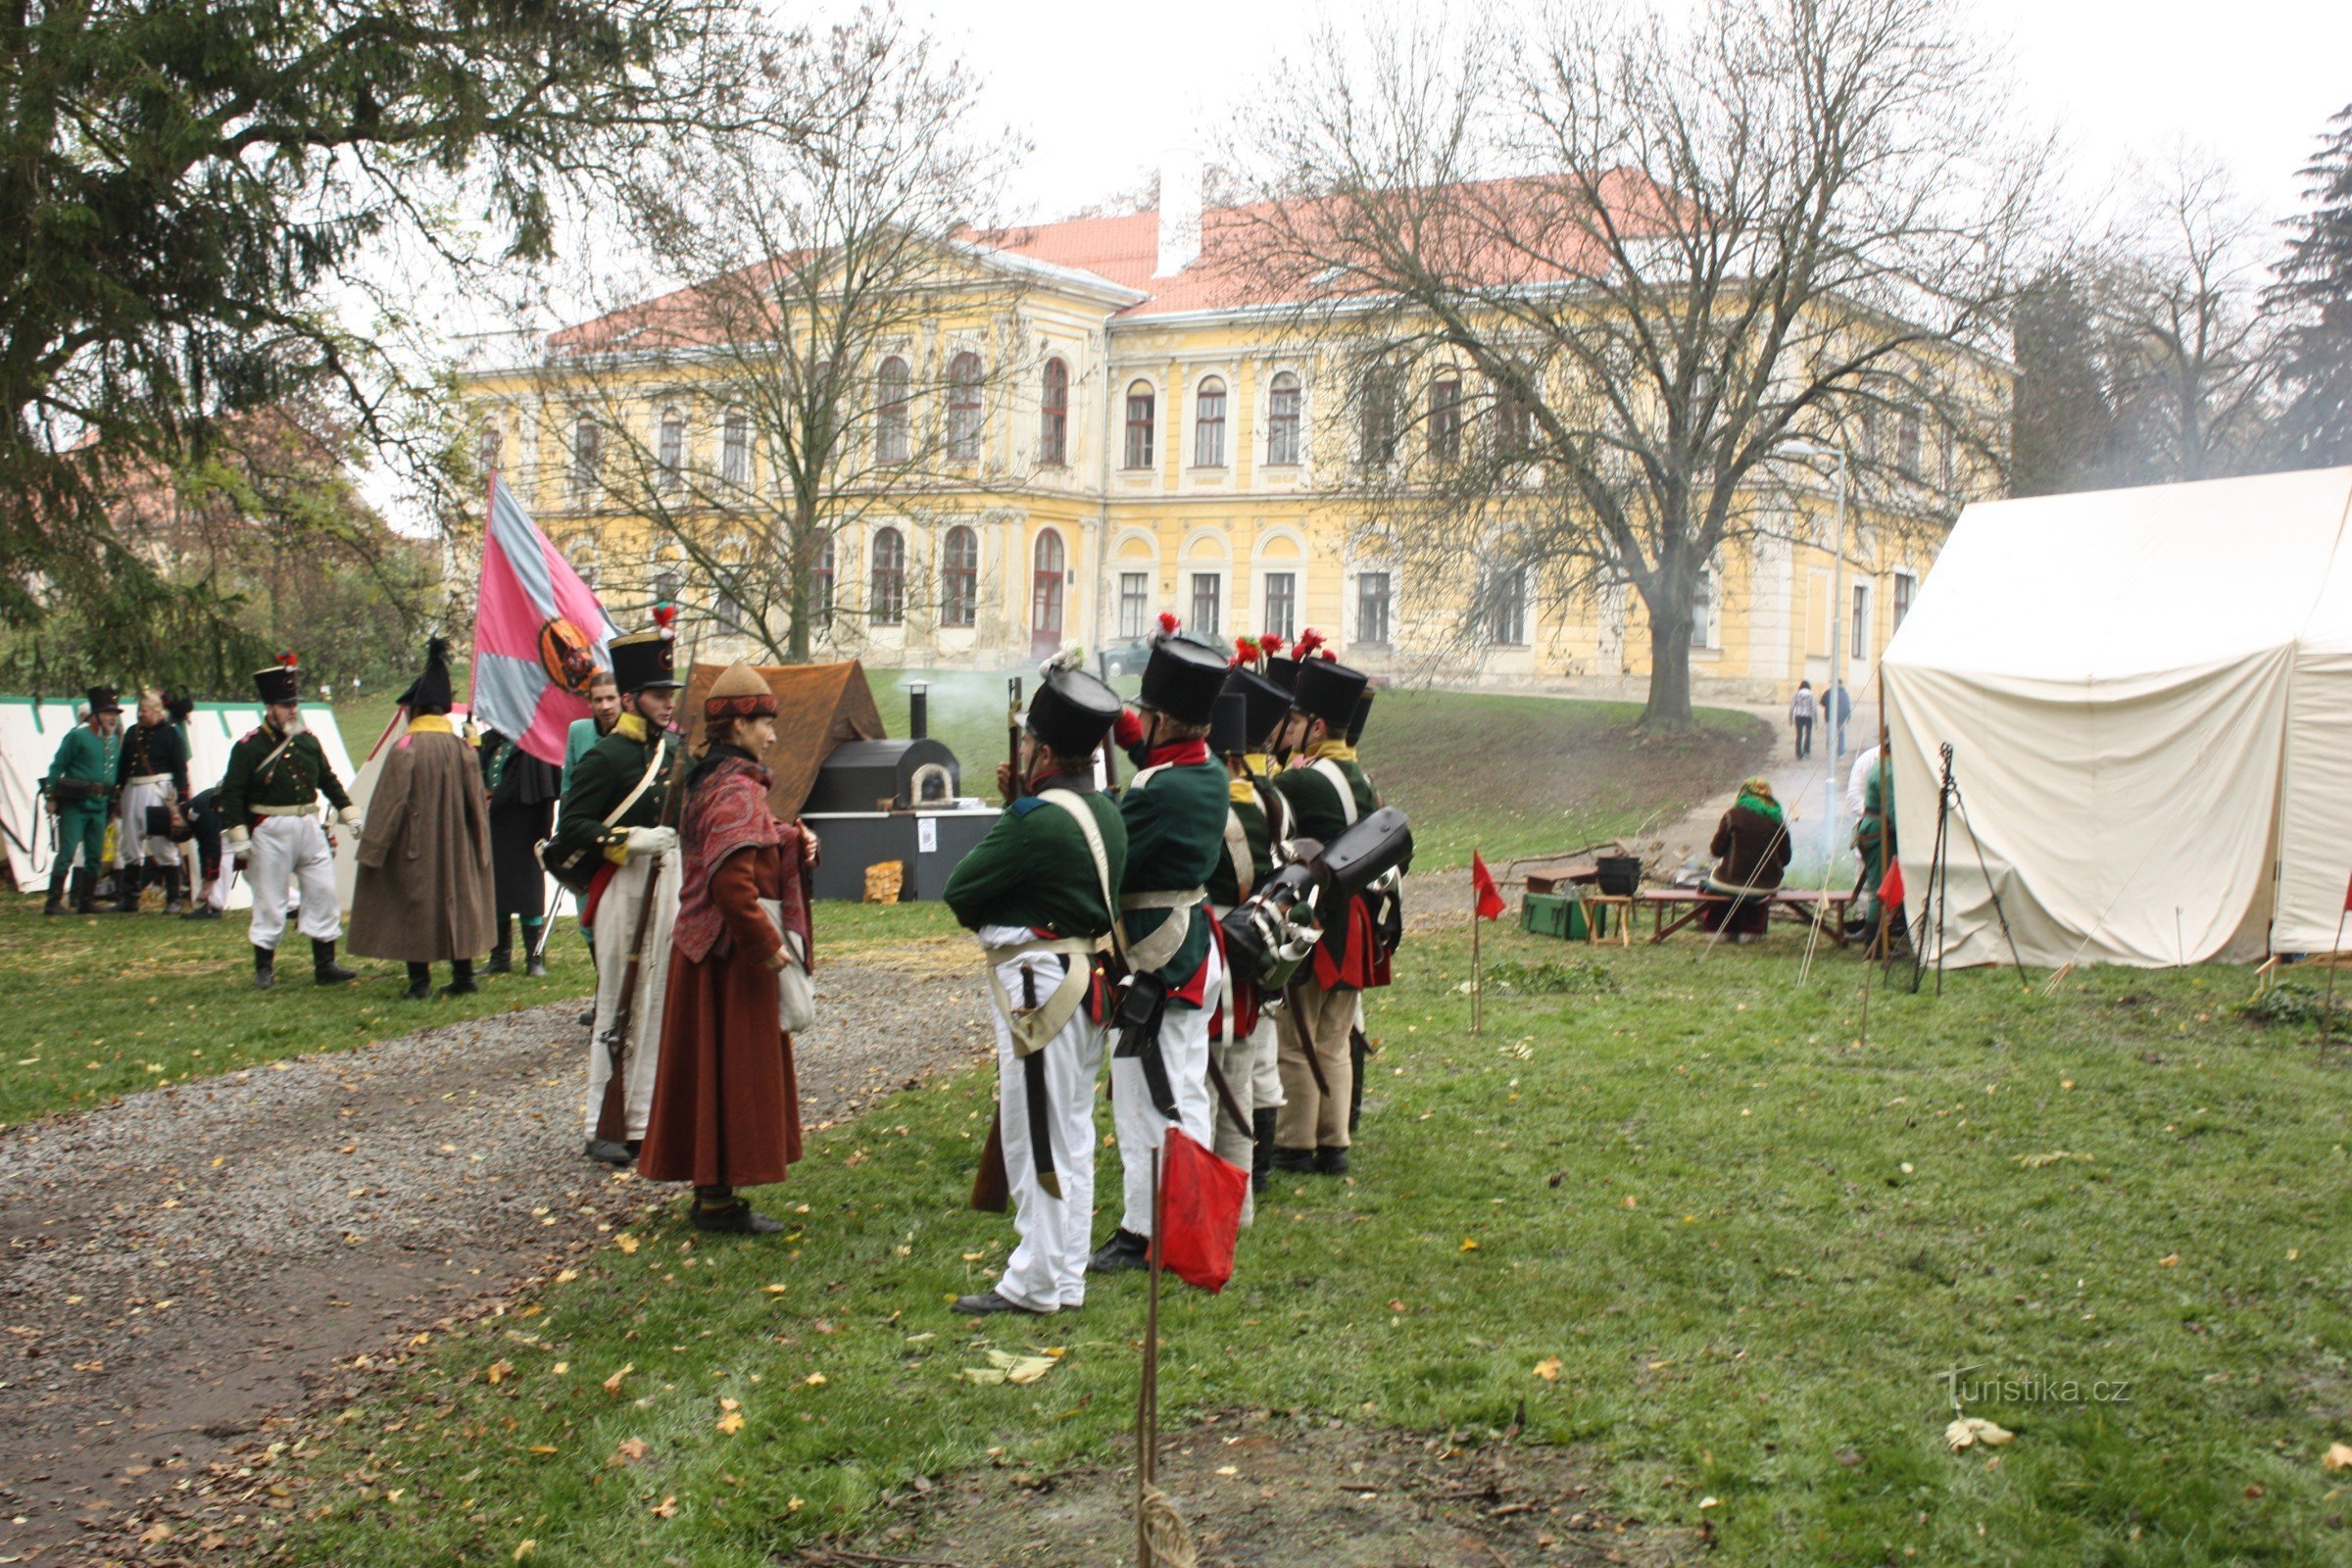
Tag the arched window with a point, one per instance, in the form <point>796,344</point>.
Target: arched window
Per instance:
<point>1139,425</point>
<point>490,451</point>
<point>820,582</point>
<point>889,597</point>
<point>1282,421</point>
<point>1209,425</point>
<point>735,448</point>
<point>672,449</point>
<point>587,455</point>
<point>963,407</point>
<point>1376,429</point>
<point>1046,576</point>
<point>1053,415</point>
<point>1445,418</point>
<point>959,577</point>
<point>891,444</point>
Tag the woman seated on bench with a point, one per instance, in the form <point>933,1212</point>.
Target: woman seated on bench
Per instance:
<point>1751,850</point>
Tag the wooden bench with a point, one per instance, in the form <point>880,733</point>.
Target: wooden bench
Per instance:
<point>1797,905</point>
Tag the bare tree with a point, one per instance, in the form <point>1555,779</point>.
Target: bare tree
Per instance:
<point>840,354</point>
<point>1589,283</point>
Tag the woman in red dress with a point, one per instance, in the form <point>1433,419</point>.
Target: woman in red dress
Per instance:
<point>726,1112</point>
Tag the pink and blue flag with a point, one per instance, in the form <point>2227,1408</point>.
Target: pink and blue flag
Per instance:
<point>539,634</point>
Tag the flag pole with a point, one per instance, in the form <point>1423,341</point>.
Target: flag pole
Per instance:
<point>2334,956</point>
<point>1478,976</point>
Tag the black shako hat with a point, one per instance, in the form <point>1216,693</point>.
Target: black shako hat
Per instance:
<point>102,701</point>
<point>1072,710</point>
<point>1363,715</point>
<point>280,682</point>
<point>1229,723</point>
<point>1267,703</point>
<point>1283,672</point>
<point>645,661</point>
<point>1182,679</point>
<point>1329,691</point>
<point>429,692</point>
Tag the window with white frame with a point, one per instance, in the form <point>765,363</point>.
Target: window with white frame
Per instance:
<point>821,583</point>
<point>1703,597</point>
<point>671,452</point>
<point>587,455</point>
<point>1506,608</point>
<point>1907,444</point>
<point>735,448</point>
<point>893,431</point>
<point>887,603</point>
<point>1860,642</point>
<point>1282,421</point>
<point>1053,415</point>
<point>1281,612</point>
<point>959,577</point>
<point>1906,588</point>
<point>490,451</point>
<point>1445,418</point>
<point>1372,608</point>
<point>1208,604</point>
<point>1135,603</point>
<point>1209,425</point>
<point>1376,415</point>
<point>963,407</point>
<point>1140,413</point>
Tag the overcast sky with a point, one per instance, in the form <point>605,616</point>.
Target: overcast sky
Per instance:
<point>1100,88</point>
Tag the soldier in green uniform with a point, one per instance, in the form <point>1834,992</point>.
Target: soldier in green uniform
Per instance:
<point>1038,892</point>
<point>1242,1042</point>
<point>1327,794</point>
<point>152,777</point>
<point>81,786</point>
<point>268,799</point>
<point>1175,807</point>
<point>610,847</point>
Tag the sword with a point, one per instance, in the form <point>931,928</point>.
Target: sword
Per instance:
<point>1033,1081</point>
<point>1225,1096</point>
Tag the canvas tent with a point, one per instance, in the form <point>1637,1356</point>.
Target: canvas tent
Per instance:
<point>31,729</point>
<point>819,707</point>
<point>2148,694</point>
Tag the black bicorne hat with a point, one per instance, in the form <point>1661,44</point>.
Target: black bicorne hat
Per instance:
<point>1229,724</point>
<point>1072,711</point>
<point>1329,691</point>
<point>102,701</point>
<point>1267,703</point>
<point>1182,679</point>
<point>280,682</point>
<point>644,661</point>
<point>1364,715</point>
<point>429,692</point>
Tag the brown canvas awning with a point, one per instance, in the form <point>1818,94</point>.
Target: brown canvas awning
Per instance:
<point>819,707</point>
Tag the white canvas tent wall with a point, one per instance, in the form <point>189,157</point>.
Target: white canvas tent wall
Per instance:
<point>2118,673</point>
<point>28,737</point>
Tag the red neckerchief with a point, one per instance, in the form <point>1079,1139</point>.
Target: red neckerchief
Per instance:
<point>1177,753</point>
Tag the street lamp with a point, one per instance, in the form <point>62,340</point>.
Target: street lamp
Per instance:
<point>1836,728</point>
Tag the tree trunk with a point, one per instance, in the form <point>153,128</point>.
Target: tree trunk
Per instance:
<point>1669,704</point>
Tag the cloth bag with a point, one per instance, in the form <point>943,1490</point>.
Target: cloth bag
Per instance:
<point>796,993</point>
<point>1199,1213</point>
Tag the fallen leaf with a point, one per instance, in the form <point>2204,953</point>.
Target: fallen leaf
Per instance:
<point>666,1509</point>
<point>2337,1457</point>
<point>1969,1430</point>
<point>731,1404</point>
<point>1549,1369</point>
<point>1469,1246</point>
<point>524,1548</point>
<point>2255,1490</point>
<point>613,1382</point>
<point>631,1450</point>
<point>2169,1261</point>
<point>815,1380</point>
<point>626,1242</point>
<point>1630,1201</point>
<point>1704,1503</point>
<point>499,1371</point>
<point>543,1447</point>
<point>154,1535</point>
<point>775,1290</point>
<point>565,1276</point>
<point>560,1368</point>
<point>731,1423</point>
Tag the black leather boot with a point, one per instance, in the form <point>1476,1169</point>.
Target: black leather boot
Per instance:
<point>56,904</point>
<point>502,953</point>
<point>534,961</point>
<point>85,893</point>
<point>174,887</point>
<point>1262,1156</point>
<point>265,968</point>
<point>420,983</point>
<point>461,979</point>
<point>323,967</point>
<point>130,880</point>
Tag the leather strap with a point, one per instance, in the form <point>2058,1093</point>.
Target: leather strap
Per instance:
<point>1336,777</point>
<point>1033,1027</point>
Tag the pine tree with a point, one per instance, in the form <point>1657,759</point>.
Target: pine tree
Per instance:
<point>2314,293</point>
<point>2062,415</point>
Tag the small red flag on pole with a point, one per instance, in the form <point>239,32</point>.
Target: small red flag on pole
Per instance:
<point>1491,904</point>
<point>1890,886</point>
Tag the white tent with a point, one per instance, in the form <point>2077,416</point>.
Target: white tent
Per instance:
<point>2148,694</point>
<point>30,731</point>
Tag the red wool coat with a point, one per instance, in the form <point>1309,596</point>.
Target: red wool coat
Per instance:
<point>726,1106</point>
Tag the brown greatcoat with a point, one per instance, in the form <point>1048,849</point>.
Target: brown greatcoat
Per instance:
<point>726,1105</point>
<point>423,888</point>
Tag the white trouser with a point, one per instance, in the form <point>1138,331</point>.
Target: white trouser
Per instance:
<point>616,927</point>
<point>1046,1271</point>
<point>134,844</point>
<point>1142,1129</point>
<point>292,849</point>
<point>1265,1051</point>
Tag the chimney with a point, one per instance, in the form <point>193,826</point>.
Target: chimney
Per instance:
<point>1179,211</point>
<point>919,710</point>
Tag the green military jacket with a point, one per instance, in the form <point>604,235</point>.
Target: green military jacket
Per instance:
<point>1175,838</point>
<point>260,773</point>
<point>85,757</point>
<point>1315,811</point>
<point>1034,869</point>
<point>601,781</point>
<point>1248,809</point>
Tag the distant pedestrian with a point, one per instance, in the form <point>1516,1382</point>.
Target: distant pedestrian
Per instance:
<point>1842,709</point>
<point>1803,709</point>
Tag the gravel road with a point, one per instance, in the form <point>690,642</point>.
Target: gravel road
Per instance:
<point>186,1263</point>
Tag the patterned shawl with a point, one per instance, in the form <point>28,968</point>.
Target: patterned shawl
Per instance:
<point>726,810</point>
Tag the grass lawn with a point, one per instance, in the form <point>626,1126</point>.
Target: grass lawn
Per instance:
<point>1672,1204</point>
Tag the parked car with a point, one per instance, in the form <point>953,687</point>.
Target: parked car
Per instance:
<point>1126,659</point>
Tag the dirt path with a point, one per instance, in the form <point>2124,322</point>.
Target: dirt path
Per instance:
<point>185,1263</point>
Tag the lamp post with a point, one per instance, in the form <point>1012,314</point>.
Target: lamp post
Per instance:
<point>1837,613</point>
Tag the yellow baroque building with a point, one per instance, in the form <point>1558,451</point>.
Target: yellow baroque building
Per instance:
<point>1163,439</point>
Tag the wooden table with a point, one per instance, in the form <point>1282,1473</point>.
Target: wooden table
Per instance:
<point>1797,905</point>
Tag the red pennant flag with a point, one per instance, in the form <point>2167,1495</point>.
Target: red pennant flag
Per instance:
<point>1890,886</point>
<point>2348,899</point>
<point>1490,896</point>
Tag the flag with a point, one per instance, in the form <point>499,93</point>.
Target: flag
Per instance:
<point>1890,886</point>
<point>539,634</point>
<point>2348,899</point>
<point>1481,882</point>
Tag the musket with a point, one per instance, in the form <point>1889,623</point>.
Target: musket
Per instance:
<point>992,1186</point>
<point>611,1117</point>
